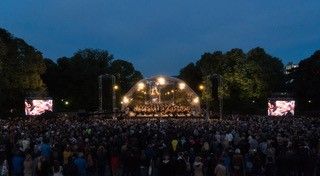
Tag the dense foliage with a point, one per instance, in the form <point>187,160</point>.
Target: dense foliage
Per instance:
<point>307,83</point>
<point>21,67</point>
<point>75,79</point>
<point>24,73</point>
<point>250,78</point>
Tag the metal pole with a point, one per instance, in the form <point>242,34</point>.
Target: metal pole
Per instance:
<point>100,92</point>
<point>220,97</point>
<point>113,94</point>
<point>207,98</point>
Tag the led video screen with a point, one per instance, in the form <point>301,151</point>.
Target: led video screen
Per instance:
<point>38,107</point>
<point>281,107</point>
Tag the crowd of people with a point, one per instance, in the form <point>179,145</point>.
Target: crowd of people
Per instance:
<point>238,146</point>
<point>167,109</point>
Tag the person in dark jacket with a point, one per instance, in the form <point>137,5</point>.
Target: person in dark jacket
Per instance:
<point>166,168</point>
<point>180,166</point>
<point>17,164</point>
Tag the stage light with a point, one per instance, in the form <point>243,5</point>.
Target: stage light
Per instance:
<point>201,87</point>
<point>66,102</point>
<point>182,85</point>
<point>309,101</point>
<point>161,80</point>
<point>195,100</point>
<point>141,86</point>
<point>125,100</point>
<point>115,87</point>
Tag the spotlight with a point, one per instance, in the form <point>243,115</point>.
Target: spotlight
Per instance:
<point>195,100</point>
<point>182,85</point>
<point>125,100</point>
<point>141,86</point>
<point>161,80</point>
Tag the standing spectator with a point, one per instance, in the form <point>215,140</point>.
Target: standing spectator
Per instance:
<point>66,155</point>
<point>45,149</point>
<point>198,167</point>
<point>81,165</point>
<point>180,165</point>
<point>238,163</point>
<point>220,170</point>
<point>101,161</point>
<point>70,169</point>
<point>4,169</point>
<point>17,164</point>
<point>28,166</point>
<point>166,167</point>
<point>115,164</point>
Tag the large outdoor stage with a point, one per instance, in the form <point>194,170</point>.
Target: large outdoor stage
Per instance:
<point>161,96</point>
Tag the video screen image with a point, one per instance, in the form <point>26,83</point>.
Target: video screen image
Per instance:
<point>281,107</point>
<point>37,107</point>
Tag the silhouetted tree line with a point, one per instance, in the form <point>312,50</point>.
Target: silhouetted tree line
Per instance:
<point>24,73</point>
<point>250,78</point>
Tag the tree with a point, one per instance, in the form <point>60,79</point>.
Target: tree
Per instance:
<point>244,77</point>
<point>272,70</point>
<point>307,82</point>
<point>21,67</point>
<point>191,75</point>
<point>125,73</point>
<point>75,79</point>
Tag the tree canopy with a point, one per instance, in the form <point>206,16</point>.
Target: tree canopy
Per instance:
<point>21,67</point>
<point>24,72</point>
<point>75,79</point>
<point>247,77</point>
<point>307,82</point>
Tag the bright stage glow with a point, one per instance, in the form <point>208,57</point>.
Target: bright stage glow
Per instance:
<point>125,100</point>
<point>161,80</point>
<point>195,100</point>
<point>141,86</point>
<point>182,85</point>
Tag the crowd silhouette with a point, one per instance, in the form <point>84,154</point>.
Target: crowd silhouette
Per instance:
<point>250,145</point>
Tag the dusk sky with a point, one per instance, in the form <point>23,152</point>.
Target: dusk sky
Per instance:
<point>162,36</point>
